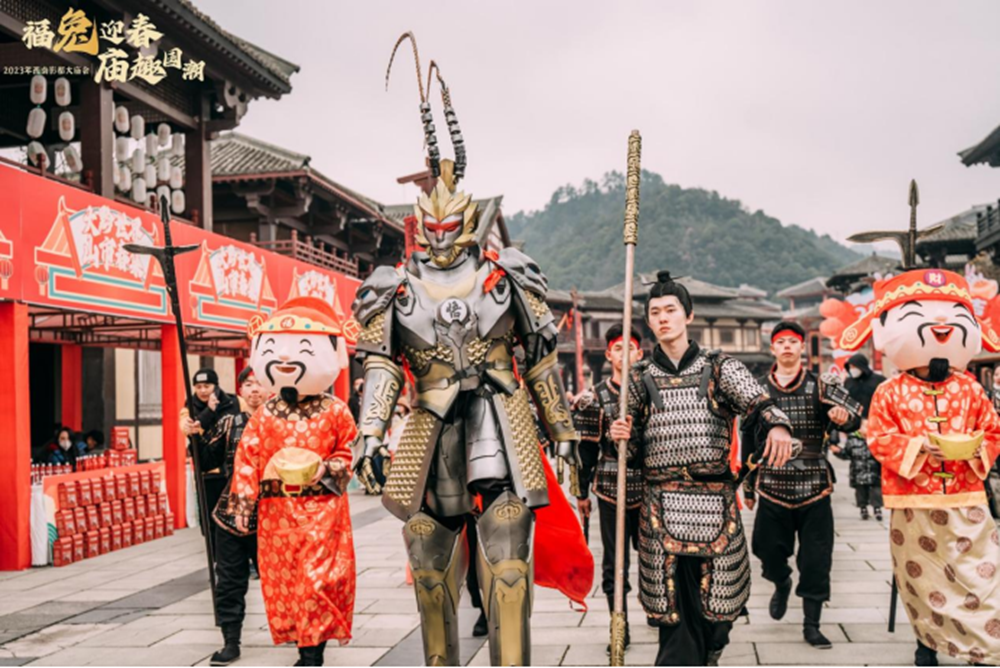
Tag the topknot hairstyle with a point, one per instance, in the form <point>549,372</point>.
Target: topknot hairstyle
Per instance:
<point>666,286</point>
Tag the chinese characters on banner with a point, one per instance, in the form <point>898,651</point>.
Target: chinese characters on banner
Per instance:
<point>63,247</point>
<point>77,33</point>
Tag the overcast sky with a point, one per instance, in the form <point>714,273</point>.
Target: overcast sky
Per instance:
<point>819,113</point>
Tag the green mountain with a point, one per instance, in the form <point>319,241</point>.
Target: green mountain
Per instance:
<point>577,238</point>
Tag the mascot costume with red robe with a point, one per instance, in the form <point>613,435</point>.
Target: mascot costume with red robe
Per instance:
<point>295,457</point>
<point>936,435</point>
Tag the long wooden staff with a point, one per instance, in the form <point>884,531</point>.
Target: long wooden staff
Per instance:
<point>630,237</point>
<point>165,256</point>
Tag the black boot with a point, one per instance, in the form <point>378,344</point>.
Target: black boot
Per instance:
<point>311,656</point>
<point>779,601</point>
<point>231,651</point>
<point>864,513</point>
<point>810,629</point>
<point>713,658</point>
<point>878,514</point>
<point>924,656</point>
<point>481,628</point>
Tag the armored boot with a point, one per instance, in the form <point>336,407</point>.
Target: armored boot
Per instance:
<point>810,630</point>
<point>506,576</point>
<point>439,561</point>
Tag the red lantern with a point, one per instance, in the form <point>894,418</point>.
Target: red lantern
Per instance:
<point>6,271</point>
<point>42,276</point>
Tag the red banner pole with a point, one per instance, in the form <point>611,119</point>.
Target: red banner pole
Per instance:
<point>72,387</point>
<point>15,439</point>
<point>174,450</point>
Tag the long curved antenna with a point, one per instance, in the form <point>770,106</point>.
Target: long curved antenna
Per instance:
<point>426,117</point>
<point>457,141</point>
<point>416,58</point>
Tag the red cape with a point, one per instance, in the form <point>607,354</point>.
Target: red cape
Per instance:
<point>562,559</point>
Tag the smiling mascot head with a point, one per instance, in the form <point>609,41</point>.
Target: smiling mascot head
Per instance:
<point>298,351</point>
<point>923,318</point>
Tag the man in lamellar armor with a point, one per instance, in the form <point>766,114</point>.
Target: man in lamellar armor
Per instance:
<point>795,498</point>
<point>452,316</point>
<point>593,413</point>
<point>694,566</point>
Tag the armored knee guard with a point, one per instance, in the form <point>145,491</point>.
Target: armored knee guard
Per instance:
<point>439,561</point>
<point>506,576</point>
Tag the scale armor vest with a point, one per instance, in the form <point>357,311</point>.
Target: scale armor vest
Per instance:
<point>606,475</point>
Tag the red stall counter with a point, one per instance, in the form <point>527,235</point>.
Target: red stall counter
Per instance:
<point>89,513</point>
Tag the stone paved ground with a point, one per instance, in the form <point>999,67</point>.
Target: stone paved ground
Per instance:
<point>149,605</point>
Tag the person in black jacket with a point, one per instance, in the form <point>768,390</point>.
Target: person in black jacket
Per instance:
<point>209,404</point>
<point>866,473</point>
<point>234,551</point>
<point>862,381</point>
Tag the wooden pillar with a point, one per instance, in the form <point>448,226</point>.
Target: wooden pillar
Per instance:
<point>198,171</point>
<point>15,439</point>
<point>174,450</point>
<point>97,137</point>
<point>72,387</point>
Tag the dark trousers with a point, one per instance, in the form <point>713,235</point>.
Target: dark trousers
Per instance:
<point>471,576</point>
<point>232,575</point>
<point>868,495</point>
<point>774,532</point>
<point>693,638</point>
<point>606,509</point>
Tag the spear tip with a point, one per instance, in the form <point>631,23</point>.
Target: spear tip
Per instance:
<point>914,193</point>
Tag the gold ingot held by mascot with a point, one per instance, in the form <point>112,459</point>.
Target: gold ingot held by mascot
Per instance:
<point>957,447</point>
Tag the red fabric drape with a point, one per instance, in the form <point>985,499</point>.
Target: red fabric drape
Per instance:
<point>174,450</point>
<point>562,559</point>
<point>72,387</point>
<point>15,439</point>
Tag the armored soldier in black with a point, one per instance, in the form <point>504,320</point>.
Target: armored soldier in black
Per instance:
<point>694,566</point>
<point>795,498</point>
<point>593,413</point>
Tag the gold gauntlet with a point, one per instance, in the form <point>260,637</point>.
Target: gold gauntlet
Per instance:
<point>383,383</point>
<point>546,389</point>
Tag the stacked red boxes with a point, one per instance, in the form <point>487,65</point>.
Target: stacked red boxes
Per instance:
<point>108,513</point>
<point>62,551</point>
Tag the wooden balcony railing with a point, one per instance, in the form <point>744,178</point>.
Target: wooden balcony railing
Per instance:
<point>311,251</point>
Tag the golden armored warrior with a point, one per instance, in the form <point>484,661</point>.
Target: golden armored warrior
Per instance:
<point>453,315</point>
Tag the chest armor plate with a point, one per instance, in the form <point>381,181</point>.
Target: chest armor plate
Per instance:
<point>454,334</point>
<point>806,413</point>
<point>685,435</point>
<point>606,476</point>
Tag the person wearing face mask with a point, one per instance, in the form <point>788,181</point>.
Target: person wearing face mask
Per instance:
<point>865,472</point>
<point>862,381</point>
<point>61,450</point>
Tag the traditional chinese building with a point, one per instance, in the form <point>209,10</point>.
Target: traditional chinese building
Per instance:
<point>104,110</point>
<point>727,319</point>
